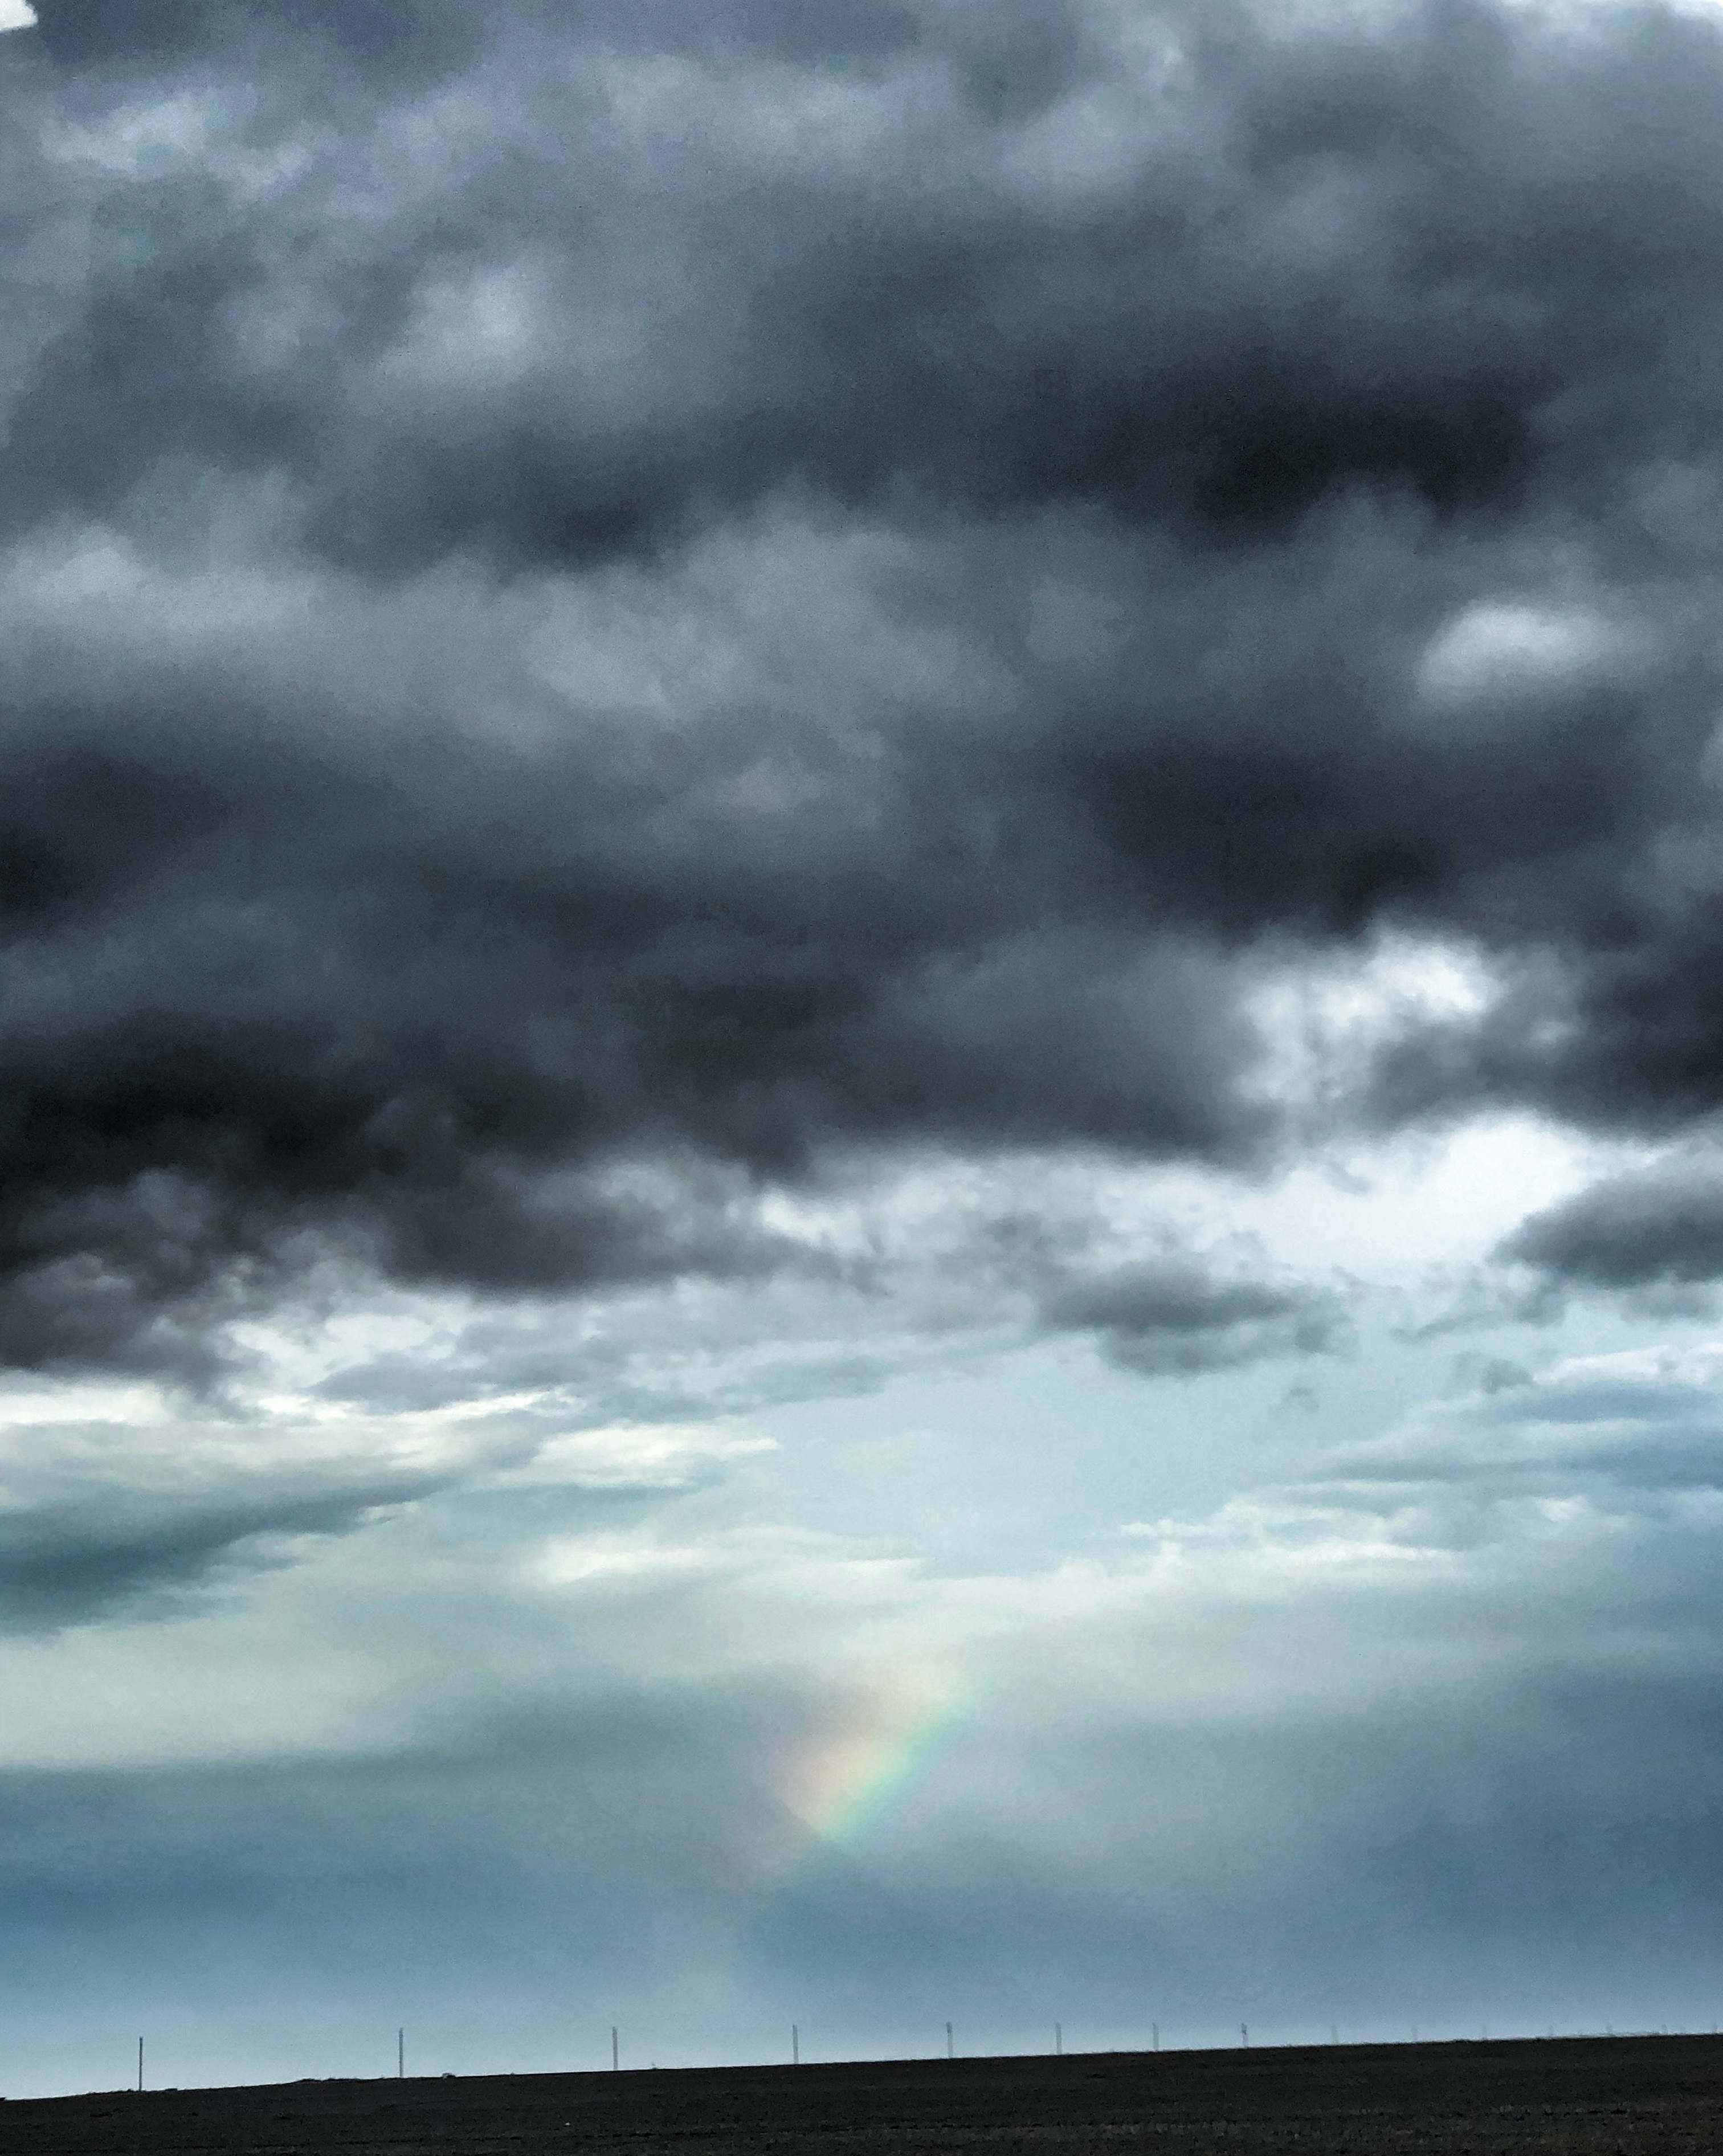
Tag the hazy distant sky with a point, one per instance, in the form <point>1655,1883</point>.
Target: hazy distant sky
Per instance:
<point>863,1042</point>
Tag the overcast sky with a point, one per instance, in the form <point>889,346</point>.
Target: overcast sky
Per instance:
<point>864,1027</point>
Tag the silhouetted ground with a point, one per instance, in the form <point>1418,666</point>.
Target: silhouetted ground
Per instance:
<point>1660,2095</point>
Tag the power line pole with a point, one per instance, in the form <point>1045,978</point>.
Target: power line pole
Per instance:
<point>140,2066</point>
<point>615,2057</point>
<point>1058,2039</point>
<point>951,2043</point>
<point>1245,2034</point>
<point>400,2054</point>
<point>795,2045</point>
<point>1155,2027</point>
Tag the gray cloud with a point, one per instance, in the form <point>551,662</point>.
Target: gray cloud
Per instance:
<point>97,1529</point>
<point>115,1552</point>
<point>697,594</point>
<point>1333,261</point>
<point>1177,1317</point>
<point>148,1512</point>
<point>1612,1430</point>
<point>1664,1228</point>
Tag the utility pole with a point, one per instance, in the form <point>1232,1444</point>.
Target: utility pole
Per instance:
<point>1155,2027</point>
<point>951,2043</point>
<point>795,2045</point>
<point>400,2054</point>
<point>1334,2031</point>
<point>140,2066</point>
<point>1245,2034</point>
<point>615,2057</point>
<point>1058,2039</point>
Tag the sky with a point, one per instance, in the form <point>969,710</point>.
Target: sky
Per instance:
<point>863,1028</point>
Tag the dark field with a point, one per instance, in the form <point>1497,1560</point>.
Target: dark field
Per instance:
<point>1661,2095</point>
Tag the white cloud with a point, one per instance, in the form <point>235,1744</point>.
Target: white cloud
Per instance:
<point>1325,1019</point>
<point>1508,649</point>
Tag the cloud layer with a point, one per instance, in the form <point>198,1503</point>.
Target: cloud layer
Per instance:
<point>708,593</point>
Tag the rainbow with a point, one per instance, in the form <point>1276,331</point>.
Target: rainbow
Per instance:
<point>844,1787</point>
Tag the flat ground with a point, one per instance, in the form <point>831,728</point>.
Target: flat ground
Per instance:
<point>1660,2095</point>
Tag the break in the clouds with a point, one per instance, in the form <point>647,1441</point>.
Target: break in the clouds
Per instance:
<point>801,806</point>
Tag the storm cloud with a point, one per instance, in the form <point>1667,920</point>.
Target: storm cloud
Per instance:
<point>594,590</point>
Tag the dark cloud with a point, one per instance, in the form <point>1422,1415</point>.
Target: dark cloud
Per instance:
<point>663,590</point>
<point>81,1563</point>
<point>1178,1317</point>
<point>1660,1228</point>
<point>106,1276</point>
<point>1357,258</point>
<point>166,31</point>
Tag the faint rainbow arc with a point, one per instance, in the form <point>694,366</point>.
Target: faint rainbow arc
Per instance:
<point>844,1787</point>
